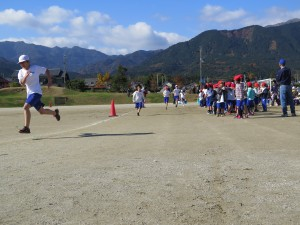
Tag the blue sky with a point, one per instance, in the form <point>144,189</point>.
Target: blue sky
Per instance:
<point>125,26</point>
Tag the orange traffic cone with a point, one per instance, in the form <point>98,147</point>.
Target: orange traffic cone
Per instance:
<point>112,109</point>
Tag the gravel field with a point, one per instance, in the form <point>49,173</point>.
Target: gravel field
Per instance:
<point>176,166</point>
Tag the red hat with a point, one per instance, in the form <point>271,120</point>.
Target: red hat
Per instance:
<point>215,85</point>
<point>227,84</point>
<point>249,84</point>
<point>256,85</point>
<point>263,84</point>
<point>238,77</point>
<point>232,85</point>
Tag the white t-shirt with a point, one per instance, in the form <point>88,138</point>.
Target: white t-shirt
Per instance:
<point>176,92</point>
<point>166,93</point>
<point>138,96</point>
<point>182,95</point>
<point>33,80</point>
<point>201,95</point>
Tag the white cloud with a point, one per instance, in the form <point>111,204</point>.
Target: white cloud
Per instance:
<point>17,18</point>
<point>231,19</point>
<point>219,14</point>
<point>56,26</point>
<point>272,15</point>
<point>94,18</point>
<point>55,15</point>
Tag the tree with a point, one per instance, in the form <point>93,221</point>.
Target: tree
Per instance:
<point>120,81</point>
<point>76,85</point>
<point>152,82</point>
<point>102,79</point>
<point>179,80</point>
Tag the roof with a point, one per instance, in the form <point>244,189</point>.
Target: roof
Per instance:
<point>3,80</point>
<point>56,72</point>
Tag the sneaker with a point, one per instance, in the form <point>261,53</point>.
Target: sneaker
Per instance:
<point>24,130</point>
<point>138,114</point>
<point>293,114</point>
<point>284,115</point>
<point>57,116</point>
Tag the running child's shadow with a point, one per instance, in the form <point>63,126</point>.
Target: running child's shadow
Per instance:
<point>90,135</point>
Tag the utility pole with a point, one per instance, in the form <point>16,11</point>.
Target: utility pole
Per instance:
<point>65,69</point>
<point>200,63</point>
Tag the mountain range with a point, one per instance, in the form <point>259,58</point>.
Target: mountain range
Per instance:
<point>253,49</point>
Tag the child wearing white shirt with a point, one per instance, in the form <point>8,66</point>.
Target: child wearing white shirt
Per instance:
<point>138,99</point>
<point>166,94</point>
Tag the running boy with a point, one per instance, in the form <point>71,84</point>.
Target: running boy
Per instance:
<point>138,99</point>
<point>176,92</point>
<point>166,94</point>
<point>29,76</point>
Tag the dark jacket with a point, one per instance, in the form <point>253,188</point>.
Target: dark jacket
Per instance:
<point>222,92</point>
<point>284,76</point>
<point>265,93</point>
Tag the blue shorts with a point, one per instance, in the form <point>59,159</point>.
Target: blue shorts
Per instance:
<point>139,105</point>
<point>221,105</point>
<point>250,103</point>
<point>176,98</point>
<point>230,102</point>
<point>256,100</point>
<point>239,103</point>
<point>208,101</point>
<point>166,99</point>
<point>35,101</point>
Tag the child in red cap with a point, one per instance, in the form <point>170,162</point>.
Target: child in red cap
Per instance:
<point>264,96</point>
<point>250,98</point>
<point>221,99</point>
<point>230,98</point>
<point>256,98</point>
<point>239,93</point>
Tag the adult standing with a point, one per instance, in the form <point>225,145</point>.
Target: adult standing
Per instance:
<point>284,79</point>
<point>29,76</point>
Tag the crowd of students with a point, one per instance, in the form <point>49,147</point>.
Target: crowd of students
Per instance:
<point>240,98</point>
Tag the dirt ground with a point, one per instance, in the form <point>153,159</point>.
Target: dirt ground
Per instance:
<point>175,166</point>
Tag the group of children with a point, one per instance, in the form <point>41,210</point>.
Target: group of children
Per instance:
<point>234,97</point>
<point>241,98</point>
<point>138,97</point>
<point>179,95</point>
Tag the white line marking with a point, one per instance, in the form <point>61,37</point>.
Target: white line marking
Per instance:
<point>63,132</point>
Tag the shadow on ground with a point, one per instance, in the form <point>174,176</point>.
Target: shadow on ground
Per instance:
<point>90,135</point>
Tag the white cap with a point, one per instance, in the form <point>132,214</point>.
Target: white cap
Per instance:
<point>23,58</point>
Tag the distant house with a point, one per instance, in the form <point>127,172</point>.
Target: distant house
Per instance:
<point>59,77</point>
<point>90,82</point>
<point>3,83</point>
